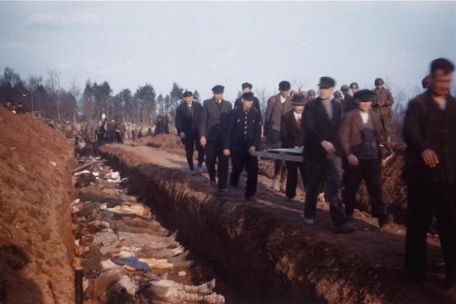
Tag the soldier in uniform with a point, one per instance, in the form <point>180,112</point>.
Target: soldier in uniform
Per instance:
<point>242,135</point>
<point>348,102</point>
<point>247,87</point>
<point>360,136</point>
<point>322,154</point>
<point>187,121</point>
<point>382,104</point>
<point>102,128</point>
<point>430,172</point>
<point>311,95</point>
<point>277,106</point>
<point>213,116</point>
<point>354,88</point>
<point>292,136</point>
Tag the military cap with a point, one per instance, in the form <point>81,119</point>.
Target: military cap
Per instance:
<point>344,88</point>
<point>354,85</point>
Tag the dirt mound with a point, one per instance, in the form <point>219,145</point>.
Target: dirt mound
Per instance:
<point>36,242</point>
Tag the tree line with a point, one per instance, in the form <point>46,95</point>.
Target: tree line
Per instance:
<point>47,98</point>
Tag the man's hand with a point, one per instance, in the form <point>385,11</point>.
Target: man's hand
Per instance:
<point>430,158</point>
<point>203,141</point>
<point>353,160</point>
<point>252,149</point>
<point>226,152</point>
<point>182,135</point>
<point>328,146</point>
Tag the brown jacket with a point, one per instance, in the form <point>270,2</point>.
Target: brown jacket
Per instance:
<point>350,132</point>
<point>274,112</point>
<point>383,101</point>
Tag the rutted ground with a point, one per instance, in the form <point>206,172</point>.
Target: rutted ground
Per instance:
<point>264,249</point>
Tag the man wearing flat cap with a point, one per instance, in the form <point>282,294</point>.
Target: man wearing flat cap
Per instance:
<point>292,136</point>
<point>322,154</point>
<point>187,121</point>
<point>382,104</point>
<point>360,139</point>
<point>242,136</point>
<point>213,117</point>
<point>246,88</point>
<point>277,106</point>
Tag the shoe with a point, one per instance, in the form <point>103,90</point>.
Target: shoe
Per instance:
<point>224,190</point>
<point>344,228</point>
<point>213,183</point>
<point>385,220</point>
<point>308,221</point>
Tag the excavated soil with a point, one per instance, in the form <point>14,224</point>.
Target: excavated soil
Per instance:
<point>263,249</point>
<point>36,243</point>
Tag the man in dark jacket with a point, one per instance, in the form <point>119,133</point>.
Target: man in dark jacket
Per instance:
<point>242,135</point>
<point>292,136</point>
<point>213,116</point>
<point>187,122</point>
<point>322,119</point>
<point>247,87</point>
<point>277,106</point>
<point>360,137</point>
<point>382,104</point>
<point>430,172</point>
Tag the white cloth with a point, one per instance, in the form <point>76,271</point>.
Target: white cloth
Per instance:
<point>364,117</point>
<point>282,99</point>
<point>297,116</point>
<point>328,107</point>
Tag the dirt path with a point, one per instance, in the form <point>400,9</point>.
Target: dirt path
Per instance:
<point>365,265</point>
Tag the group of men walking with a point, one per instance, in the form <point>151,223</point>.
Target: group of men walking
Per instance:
<point>343,141</point>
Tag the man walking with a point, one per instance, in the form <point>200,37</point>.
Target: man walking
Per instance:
<point>277,106</point>
<point>322,119</point>
<point>241,137</point>
<point>188,116</point>
<point>213,116</point>
<point>360,136</point>
<point>430,172</point>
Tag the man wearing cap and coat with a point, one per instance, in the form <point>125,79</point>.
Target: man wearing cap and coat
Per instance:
<point>213,117</point>
<point>277,106</point>
<point>292,136</point>
<point>360,137</point>
<point>247,87</point>
<point>348,102</point>
<point>187,121</point>
<point>322,154</point>
<point>241,137</point>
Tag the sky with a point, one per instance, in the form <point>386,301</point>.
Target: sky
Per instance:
<point>201,44</point>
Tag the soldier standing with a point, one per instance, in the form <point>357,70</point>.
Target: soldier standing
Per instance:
<point>348,102</point>
<point>213,116</point>
<point>277,106</point>
<point>292,135</point>
<point>188,116</point>
<point>382,104</point>
<point>430,172</point>
<point>360,137</point>
<point>354,88</point>
<point>322,119</point>
<point>242,136</point>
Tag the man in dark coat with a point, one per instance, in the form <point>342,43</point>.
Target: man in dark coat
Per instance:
<point>348,102</point>
<point>360,137</point>
<point>382,104</point>
<point>247,87</point>
<point>242,135</point>
<point>277,106</point>
<point>430,172</point>
<point>322,119</point>
<point>213,116</point>
<point>292,136</point>
<point>188,116</point>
